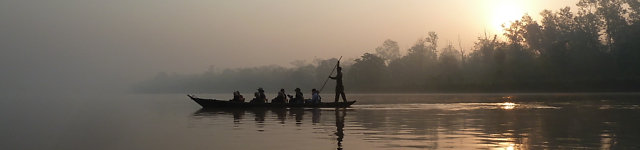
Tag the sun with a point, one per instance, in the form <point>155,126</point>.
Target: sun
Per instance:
<point>505,11</point>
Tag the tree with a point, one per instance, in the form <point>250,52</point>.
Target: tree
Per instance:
<point>449,62</point>
<point>449,58</point>
<point>595,48</point>
<point>388,51</point>
<point>298,63</point>
<point>367,72</point>
<point>432,49</point>
<point>324,68</point>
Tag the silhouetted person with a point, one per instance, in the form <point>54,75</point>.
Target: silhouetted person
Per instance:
<point>237,97</point>
<point>257,98</point>
<point>340,126</point>
<point>339,86</point>
<point>262,96</point>
<point>315,96</point>
<point>299,97</point>
<point>284,96</point>
<point>281,98</point>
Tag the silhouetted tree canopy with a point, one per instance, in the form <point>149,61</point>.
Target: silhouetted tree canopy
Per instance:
<point>595,49</point>
<point>388,51</point>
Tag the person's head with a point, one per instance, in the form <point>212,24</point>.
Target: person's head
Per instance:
<point>339,68</point>
<point>238,92</point>
<point>297,90</point>
<point>260,90</point>
<point>314,91</point>
<point>281,90</point>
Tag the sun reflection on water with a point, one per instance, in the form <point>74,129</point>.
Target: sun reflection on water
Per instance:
<point>505,146</point>
<point>501,123</point>
<point>510,147</point>
<point>508,105</point>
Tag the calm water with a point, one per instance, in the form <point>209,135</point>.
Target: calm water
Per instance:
<point>414,121</point>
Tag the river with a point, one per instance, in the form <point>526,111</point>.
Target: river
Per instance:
<point>377,121</point>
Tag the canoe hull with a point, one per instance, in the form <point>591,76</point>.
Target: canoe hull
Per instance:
<point>212,103</point>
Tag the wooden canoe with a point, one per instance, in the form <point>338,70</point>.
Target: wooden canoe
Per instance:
<point>213,103</point>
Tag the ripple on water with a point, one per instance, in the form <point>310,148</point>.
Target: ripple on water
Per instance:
<point>455,106</point>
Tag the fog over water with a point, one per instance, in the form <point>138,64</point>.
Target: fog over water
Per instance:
<point>80,45</point>
<point>114,74</point>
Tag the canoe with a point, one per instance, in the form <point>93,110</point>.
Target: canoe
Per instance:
<point>213,103</point>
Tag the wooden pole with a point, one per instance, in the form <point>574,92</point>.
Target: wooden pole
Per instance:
<point>334,68</point>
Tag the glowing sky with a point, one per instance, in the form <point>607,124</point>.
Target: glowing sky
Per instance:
<point>78,41</point>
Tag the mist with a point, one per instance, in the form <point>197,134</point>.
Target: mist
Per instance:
<point>588,51</point>
<point>74,74</point>
<point>110,46</point>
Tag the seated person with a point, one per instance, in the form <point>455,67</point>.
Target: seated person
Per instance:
<point>263,97</point>
<point>257,98</point>
<point>281,98</point>
<point>315,96</point>
<point>299,97</point>
<point>237,97</point>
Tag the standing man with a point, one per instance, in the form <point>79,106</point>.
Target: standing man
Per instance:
<point>339,86</point>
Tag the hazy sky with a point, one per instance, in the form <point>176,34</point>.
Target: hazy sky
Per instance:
<point>91,44</point>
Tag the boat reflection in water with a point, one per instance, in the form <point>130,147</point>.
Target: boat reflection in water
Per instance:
<point>499,125</point>
<point>259,114</point>
<point>274,119</point>
<point>340,114</point>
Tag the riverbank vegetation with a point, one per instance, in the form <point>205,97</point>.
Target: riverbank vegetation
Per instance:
<point>595,48</point>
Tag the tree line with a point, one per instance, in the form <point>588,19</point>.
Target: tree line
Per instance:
<point>593,49</point>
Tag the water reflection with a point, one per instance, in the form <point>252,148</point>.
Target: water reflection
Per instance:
<point>260,114</point>
<point>340,114</point>
<point>502,125</point>
<point>508,105</point>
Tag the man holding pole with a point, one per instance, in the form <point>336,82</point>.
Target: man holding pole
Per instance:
<point>339,86</point>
